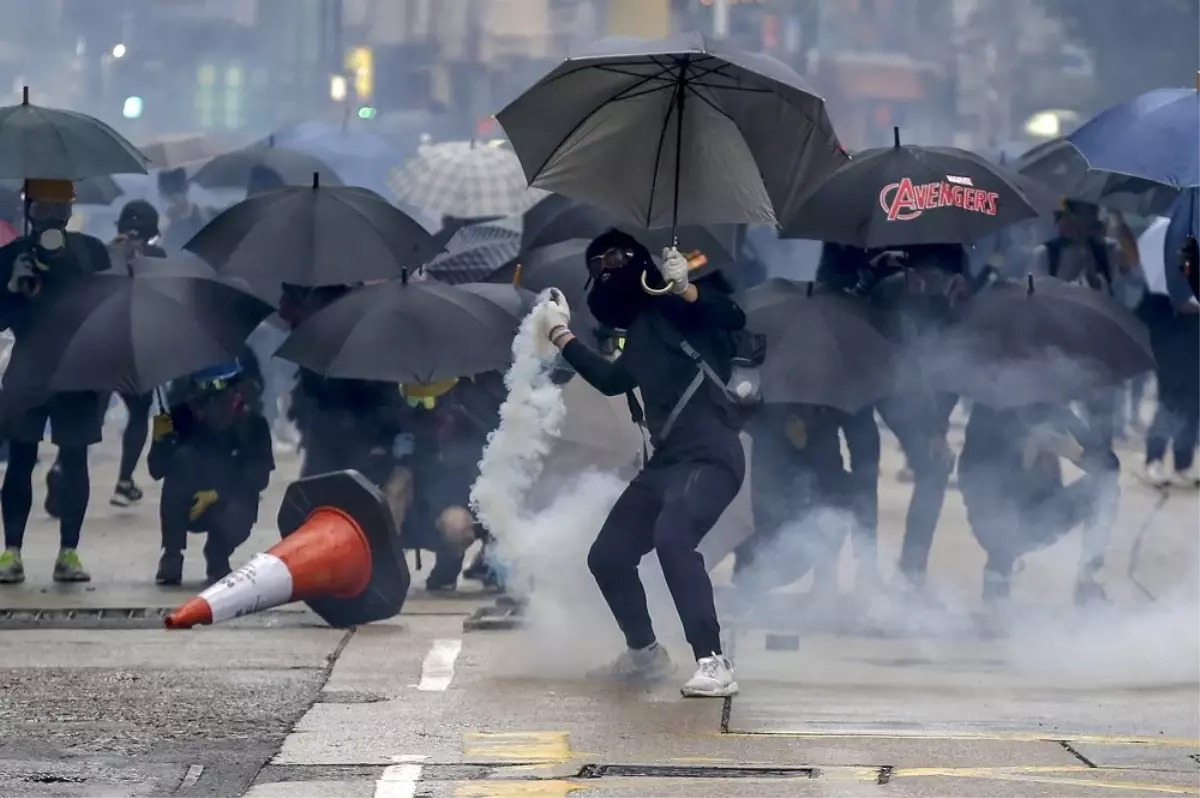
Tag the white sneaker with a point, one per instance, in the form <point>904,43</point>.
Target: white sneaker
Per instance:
<point>1188,478</point>
<point>641,666</point>
<point>1156,475</point>
<point>713,679</point>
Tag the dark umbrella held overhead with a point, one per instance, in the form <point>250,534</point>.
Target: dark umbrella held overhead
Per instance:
<point>53,144</point>
<point>562,266</point>
<point>115,332</point>
<point>1063,170</point>
<point>313,236</point>
<point>170,151</point>
<point>1018,344</point>
<point>233,169</point>
<point>904,195</point>
<point>559,218</point>
<point>401,331</point>
<point>512,299</point>
<point>677,131</point>
<point>823,347</point>
<point>474,252</point>
<point>1155,136</point>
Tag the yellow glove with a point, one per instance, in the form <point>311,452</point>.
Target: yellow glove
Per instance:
<point>201,501</point>
<point>162,426</point>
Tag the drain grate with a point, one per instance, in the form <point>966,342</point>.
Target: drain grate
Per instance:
<point>694,772</point>
<point>124,618</point>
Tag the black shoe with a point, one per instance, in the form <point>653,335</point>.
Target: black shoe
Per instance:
<point>126,494</point>
<point>440,585</point>
<point>170,568</point>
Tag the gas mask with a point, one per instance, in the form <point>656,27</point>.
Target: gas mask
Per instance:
<point>48,221</point>
<point>616,296</point>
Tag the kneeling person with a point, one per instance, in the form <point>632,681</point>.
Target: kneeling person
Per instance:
<point>214,457</point>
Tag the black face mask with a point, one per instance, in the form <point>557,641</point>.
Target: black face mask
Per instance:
<point>616,296</point>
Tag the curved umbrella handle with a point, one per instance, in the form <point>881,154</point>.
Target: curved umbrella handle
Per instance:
<point>657,291</point>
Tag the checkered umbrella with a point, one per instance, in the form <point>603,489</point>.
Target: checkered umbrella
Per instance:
<point>464,179</point>
<point>476,251</point>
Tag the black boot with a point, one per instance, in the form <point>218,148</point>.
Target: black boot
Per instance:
<point>216,560</point>
<point>170,568</point>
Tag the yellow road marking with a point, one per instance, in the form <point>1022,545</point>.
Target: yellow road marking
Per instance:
<point>516,789</point>
<point>545,746</point>
<point>1064,781</point>
<point>1029,737</point>
<point>986,772</point>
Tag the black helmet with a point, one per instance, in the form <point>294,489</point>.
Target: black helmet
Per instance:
<point>140,217</point>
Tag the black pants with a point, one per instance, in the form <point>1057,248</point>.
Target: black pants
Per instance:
<point>228,522</point>
<point>667,509</point>
<point>1175,426</point>
<point>73,489</point>
<point>137,429</point>
<point>921,423</point>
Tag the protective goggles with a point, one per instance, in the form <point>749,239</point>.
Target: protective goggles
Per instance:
<point>215,384</point>
<point>613,258</point>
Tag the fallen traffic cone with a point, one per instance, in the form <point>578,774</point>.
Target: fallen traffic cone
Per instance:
<point>340,554</point>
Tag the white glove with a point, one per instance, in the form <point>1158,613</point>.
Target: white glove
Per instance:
<point>674,269</point>
<point>549,315</point>
<point>23,267</point>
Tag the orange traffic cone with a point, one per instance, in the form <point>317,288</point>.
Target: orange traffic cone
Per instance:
<point>338,541</point>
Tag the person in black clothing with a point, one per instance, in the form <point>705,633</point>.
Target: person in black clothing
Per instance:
<point>798,472</point>
<point>33,269</point>
<point>1175,339</point>
<point>184,217</point>
<point>698,463</point>
<point>1011,482</point>
<point>214,457</point>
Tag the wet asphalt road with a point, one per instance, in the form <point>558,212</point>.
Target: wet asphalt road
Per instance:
<point>279,705</point>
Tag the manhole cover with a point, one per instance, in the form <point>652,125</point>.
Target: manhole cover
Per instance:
<point>128,618</point>
<point>696,772</point>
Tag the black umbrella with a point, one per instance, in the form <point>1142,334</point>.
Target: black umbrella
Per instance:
<point>98,190</point>
<point>1044,341</point>
<point>52,144</point>
<point>823,347</point>
<point>116,332</point>
<point>903,195</point>
<point>1063,169</point>
<point>559,218</point>
<point>512,299</point>
<point>401,331</point>
<point>233,169</point>
<point>475,251</point>
<point>674,132</point>
<point>562,266</point>
<point>313,236</point>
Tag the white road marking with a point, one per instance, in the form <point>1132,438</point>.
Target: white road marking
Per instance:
<point>437,671</point>
<point>193,776</point>
<point>400,780</point>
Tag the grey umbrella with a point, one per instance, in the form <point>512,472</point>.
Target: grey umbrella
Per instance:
<point>52,144</point>
<point>675,131</point>
<point>1064,171</point>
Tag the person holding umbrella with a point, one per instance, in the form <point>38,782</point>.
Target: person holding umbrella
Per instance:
<point>698,463</point>
<point>213,454</point>
<point>184,217</point>
<point>33,269</point>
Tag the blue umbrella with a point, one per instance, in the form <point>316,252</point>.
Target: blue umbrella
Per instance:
<point>1155,136</point>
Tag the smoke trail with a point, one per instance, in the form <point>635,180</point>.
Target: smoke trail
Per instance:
<point>530,419</point>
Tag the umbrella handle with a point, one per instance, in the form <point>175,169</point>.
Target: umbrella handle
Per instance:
<point>657,291</point>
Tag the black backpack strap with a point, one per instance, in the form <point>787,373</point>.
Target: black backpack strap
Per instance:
<point>639,418</point>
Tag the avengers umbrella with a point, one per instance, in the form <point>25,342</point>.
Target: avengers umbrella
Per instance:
<point>117,332</point>
<point>1155,136</point>
<point>823,347</point>
<point>1044,341</point>
<point>52,144</point>
<point>313,236</point>
<point>1061,168</point>
<point>559,218</point>
<point>464,179</point>
<point>673,132</point>
<point>401,331</point>
<point>904,195</point>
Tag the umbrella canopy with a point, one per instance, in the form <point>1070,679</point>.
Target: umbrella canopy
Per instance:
<point>676,131</point>
<point>512,299</point>
<point>464,179</point>
<point>1155,136</point>
<point>904,195</point>
<point>823,347</point>
<point>52,144</point>
<point>562,266</point>
<point>116,332</point>
<point>398,331</point>
<point>1044,341</point>
<point>314,236</point>
<point>1061,168</point>
<point>167,152</point>
<point>233,169</point>
<point>360,158</point>
<point>559,218</point>
<point>98,190</point>
<point>476,251</point>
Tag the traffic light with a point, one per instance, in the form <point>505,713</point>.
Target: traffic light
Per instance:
<point>361,62</point>
<point>366,112</point>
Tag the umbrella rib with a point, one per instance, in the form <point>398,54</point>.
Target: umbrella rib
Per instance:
<point>662,138</point>
<point>554,152</point>
<point>630,74</point>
